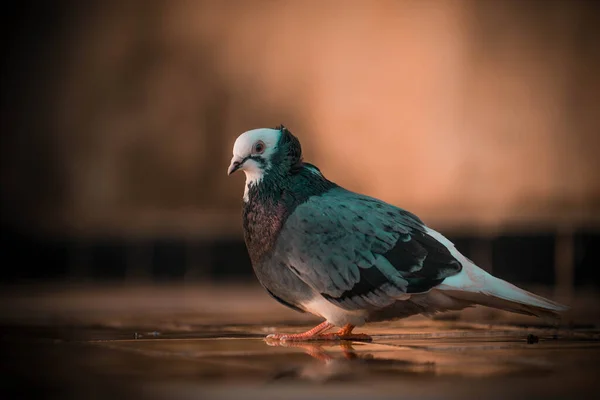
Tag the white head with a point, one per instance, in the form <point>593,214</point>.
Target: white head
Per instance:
<point>252,153</point>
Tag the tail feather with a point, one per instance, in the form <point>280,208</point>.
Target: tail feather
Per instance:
<point>507,291</point>
<point>489,300</point>
<point>477,286</point>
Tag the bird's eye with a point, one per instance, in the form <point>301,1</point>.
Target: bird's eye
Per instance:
<point>259,147</point>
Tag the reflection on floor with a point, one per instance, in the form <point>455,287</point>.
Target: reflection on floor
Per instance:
<point>208,343</point>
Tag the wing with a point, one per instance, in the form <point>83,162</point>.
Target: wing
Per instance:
<point>360,252</point>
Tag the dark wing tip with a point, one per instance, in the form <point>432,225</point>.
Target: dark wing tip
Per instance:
<point>422,261</point>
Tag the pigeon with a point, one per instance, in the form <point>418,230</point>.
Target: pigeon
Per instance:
<point>348,258</point>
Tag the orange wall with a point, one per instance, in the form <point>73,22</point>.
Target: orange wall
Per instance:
<point>471,114</point>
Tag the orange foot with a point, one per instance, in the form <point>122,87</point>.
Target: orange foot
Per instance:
<point>315,334</point>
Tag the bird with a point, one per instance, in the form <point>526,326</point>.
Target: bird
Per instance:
<point>349,258</point>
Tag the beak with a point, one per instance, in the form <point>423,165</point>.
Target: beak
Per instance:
<point>235,165</point>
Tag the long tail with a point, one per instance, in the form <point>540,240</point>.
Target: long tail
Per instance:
<point>475,285</point>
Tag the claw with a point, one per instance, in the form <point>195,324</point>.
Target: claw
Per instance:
<point>315,335</point>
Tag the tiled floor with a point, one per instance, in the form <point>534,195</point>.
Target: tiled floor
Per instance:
<point>156,343</point>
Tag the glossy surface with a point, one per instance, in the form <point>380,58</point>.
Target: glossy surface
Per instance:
<point>123,351</point>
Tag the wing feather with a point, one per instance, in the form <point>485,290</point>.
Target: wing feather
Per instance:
<point>360,252</point>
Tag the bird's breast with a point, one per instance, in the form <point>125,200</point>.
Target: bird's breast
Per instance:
<point>262,224</point>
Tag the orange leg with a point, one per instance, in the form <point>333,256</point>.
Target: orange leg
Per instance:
<point>315,334</point>
<point>346,334</point>
<point>310,334</point>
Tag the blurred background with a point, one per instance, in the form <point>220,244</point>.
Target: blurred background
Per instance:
<point>118,119</point>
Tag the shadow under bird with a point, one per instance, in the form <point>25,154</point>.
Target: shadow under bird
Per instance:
<point>349,258</point>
